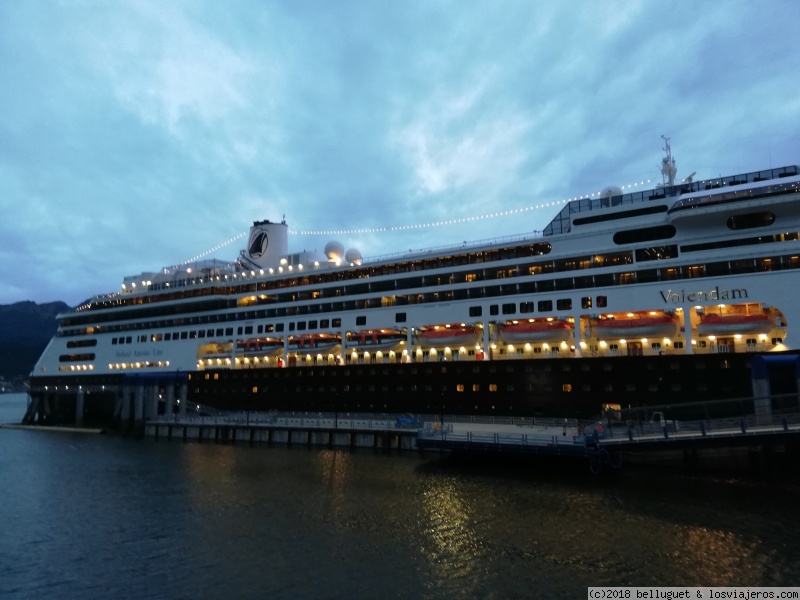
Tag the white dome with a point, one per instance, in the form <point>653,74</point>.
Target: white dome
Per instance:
<point>611,191</point>
<point>334,250</point>
<point>353,255</point>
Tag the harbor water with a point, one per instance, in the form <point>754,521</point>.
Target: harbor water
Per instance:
<point>101,516</point>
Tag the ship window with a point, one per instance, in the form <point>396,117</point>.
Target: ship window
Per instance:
<point>460,387</point>
<point>601,301</point>
<point>645,234</point>
<point>228,331</point>
<point>494,309</point>
<point>545,305</point>
<point>586,302</point>
<point>362,320</point>
<point>656,253</point>
<point>219,333</point>
<point>509,309</point>
<point>696,271</point>
<point>400,317</point>
<point>324,323</point>
<point>301,325</point>
<point>113,342</point>
<point>476,387</point>
<point>312,325</point>
<point>743,266</point>
<point>626,278</point>
<point>526,307</point>
<point>677,345</point>
<point>200,333</point>
<point>567,387</point>
<point>75,357</point>
<point>751,220</point>
<point>564,304</point>
<point>238,331</point>
<point>537,350</point>
<point>278,327</point>
<point>492,387</point>
<point>337,322</point>
<point>291,326</point>
<point>475,311</point>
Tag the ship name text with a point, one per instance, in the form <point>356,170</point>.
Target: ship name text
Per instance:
<point>679,296</point>
<point>138,353</point>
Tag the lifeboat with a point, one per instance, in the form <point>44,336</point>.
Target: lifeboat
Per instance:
<point>375,340</point>
<point>635,327</point>
<point>449,336</point>
<point>536,331</point>
<point>314,342</point>
<point>258,346</point>
<point>715,324</point>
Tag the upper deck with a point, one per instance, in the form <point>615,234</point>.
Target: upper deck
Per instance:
<point>563,220</point>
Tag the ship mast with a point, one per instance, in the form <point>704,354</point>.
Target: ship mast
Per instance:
<point>668,168</point>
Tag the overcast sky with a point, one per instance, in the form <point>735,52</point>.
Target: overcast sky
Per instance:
<point>135,135</point>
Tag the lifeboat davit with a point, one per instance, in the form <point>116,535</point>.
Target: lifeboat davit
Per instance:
<point>536,331</point>
<point>449,336</point>
<point>314,342</point>
<point>375,340</point>
<point>635,327</point>
<point>715,324</point>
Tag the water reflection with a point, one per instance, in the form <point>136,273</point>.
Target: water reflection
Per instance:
<point>449,542</point>
<point>335,469</point>
<point>103,516</point>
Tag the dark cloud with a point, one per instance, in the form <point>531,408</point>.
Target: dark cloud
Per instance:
<point>138,135</point>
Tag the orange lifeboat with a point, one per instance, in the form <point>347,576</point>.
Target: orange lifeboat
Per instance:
<point>536,331</point>
<point>458,335</point>
<point>634,327</point>
<point>715,324</point>
<point>258,346</point>
<point>314,342</point>
<point>375,340</point>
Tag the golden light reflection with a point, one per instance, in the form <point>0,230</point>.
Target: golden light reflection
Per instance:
<point>335,469</point>
<point>722,557</point>
<point>450,545</point>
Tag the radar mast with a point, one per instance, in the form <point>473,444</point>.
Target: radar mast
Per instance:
<point>668,168</point>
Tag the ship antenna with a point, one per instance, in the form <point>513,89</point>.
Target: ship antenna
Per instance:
<point>668,168</point>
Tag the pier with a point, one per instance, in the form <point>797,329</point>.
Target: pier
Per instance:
<point>603,445</point>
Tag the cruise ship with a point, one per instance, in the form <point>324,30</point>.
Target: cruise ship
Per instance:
<point>684,293</point>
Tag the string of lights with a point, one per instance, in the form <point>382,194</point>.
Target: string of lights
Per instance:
<point>428,225</point>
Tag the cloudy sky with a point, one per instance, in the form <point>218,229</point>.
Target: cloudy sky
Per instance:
<point>135,135</point>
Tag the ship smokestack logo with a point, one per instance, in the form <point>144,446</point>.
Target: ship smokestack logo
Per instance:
<point>258,243</point>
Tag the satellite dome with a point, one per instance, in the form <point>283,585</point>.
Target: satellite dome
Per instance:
<point>334,251</point>
<point>353,256</point>
<point>611,191</point>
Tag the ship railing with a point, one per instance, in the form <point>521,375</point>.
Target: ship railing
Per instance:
<point>520,237</point>
<point>776,412</point>
<point>339,420</point>
<point>543,438</point>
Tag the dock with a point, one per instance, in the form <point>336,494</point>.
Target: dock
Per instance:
<point>604,446</point>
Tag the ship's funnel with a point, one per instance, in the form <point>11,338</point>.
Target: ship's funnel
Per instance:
<point>267,243</point>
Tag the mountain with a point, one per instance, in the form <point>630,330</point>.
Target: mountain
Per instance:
<point>25,330</point>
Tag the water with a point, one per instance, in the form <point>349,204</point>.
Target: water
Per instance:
<point>96,516</point>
